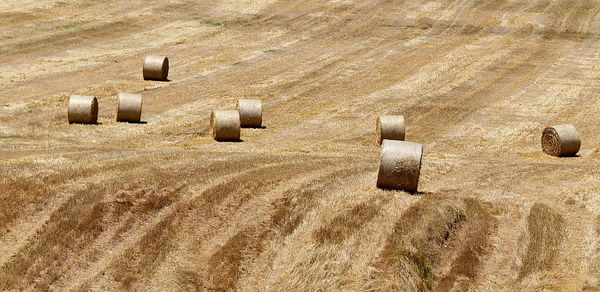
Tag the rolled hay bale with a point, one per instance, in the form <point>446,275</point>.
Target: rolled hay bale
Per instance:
<point>250,112</point>
<point>83,109</point>
<point>129,108</point>
<point>400,165</point>
<point>156,68</point>
<point>390,127</point>
<point>561,140</point>
<point>225,125</point>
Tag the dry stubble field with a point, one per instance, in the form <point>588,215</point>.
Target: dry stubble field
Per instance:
<point>162,207</point>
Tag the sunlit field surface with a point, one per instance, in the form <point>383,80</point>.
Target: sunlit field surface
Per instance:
<point>161,206</point>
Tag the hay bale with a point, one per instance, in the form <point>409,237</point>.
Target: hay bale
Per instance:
<point>561,140</point>
<point>156,68</point>
<point>225,125</point>
<point>400,165</point>
<point>129,108</point>
<point>83,109</point>
<point>390,128</point>
<point>250,112</point>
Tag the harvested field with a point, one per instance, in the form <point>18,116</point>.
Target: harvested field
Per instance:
<point>162,206</point>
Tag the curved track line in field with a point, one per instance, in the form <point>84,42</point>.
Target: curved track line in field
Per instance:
<point>28,232</point>
<point>131,240</point>
<point>26,228</point>
<point>211,235</point>
<point>300,262</point>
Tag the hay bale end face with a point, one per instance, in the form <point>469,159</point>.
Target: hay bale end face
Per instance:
<point>250,112</point>
<point>400,165</point>
<point>83,109</point>
<point>129,108</point>
<point>561,140</point>
<point>390,127</point>
<point>156,68</point>
<point>225,125</point>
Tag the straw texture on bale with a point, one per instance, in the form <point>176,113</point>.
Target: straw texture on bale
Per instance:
<point>250,112</point>
<point>129,108</point>
<point>400,165</point>
<point>390,128</point>
<point>156,68</point>
<point>561,140</point>
<point>225,125</point>
<point>83,109</point>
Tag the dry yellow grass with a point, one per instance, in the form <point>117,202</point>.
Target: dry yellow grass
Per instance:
<point>163,207</point>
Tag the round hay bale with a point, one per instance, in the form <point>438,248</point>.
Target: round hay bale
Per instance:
<point>225,125</point>
<point>250,112</point>
<point>156,68</point>
<point>129,108</point>
<point>390,128</point>
<point>561,140</point>
<point>83,109</point>
<point>400,165</point>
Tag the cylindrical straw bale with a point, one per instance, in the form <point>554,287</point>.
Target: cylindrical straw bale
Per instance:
<point>250,112</point>
<point>156,68</point>
<point>83,109</point>
<point>129,108</point>
<point>225,125</point>
<point>561,140</point>
<point>390,128</point>
<point>400,165</point>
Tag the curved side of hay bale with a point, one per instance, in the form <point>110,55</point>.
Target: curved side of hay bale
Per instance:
<point>561,140</point>
<point>129,108</point>
<point>225,125</point>
<point>156,68</point>
<point>250,112</point>
<point>400,165</point>
<point>83,109</point>
<point>390,127</point>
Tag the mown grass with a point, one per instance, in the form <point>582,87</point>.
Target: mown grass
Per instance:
<point>471,242</point>
<point>567,34</point>
<point>438,232</point>
<point>227,22</point>
<point>407,26</point>
<point>471,29</point>
<point>546,230</point>
<point>290,209</point>
<point>489,4</point>
<point>64,240</point>
<point>461,29</point>
<point>541,6</point>
<point>147,254</point>
<point>345,224</point>
<point>419,236</point>
<point>60,33</point>
<point>560,9</point>
<point>225,266</point>
<point>189,280</point>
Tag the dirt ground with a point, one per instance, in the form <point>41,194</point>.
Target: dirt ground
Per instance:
<point>161,206</point>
